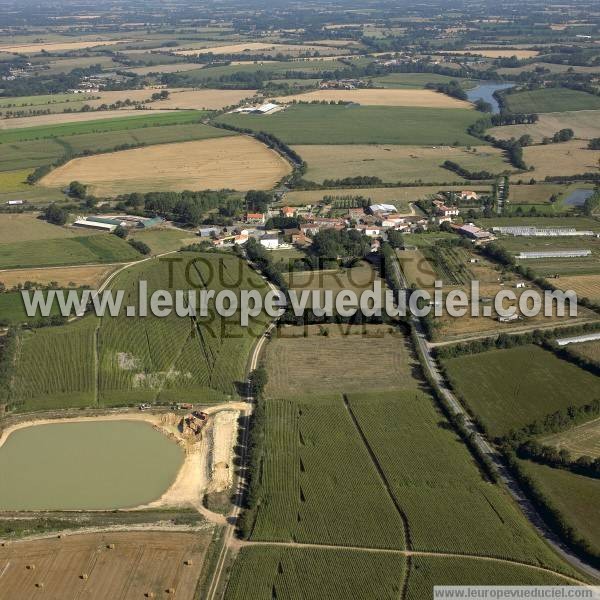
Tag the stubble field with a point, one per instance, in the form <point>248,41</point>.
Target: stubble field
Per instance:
<point>238,162</point>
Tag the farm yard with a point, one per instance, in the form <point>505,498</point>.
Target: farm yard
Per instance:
<point>393,163</point>
<point>240,163</point>
<point>310,360</point>
<point>101,565</point>
<point>317,124</point>
<point>380,97</point>
<point>539,384</point>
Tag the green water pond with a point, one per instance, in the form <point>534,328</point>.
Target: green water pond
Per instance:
<point>88,465</point>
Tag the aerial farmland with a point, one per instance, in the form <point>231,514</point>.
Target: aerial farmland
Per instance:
<point>298,302</point>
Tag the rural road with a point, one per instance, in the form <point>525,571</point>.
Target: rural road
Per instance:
<point>487,449</point>
<point>229,530</point>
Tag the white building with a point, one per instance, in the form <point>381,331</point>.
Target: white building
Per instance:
<point>270,241</point>
<point>94,225</point>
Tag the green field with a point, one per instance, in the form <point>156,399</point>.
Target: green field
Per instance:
<point>417,80</point>
<point>165,240</point>
<point>299,573</point>
<point>28,227</point>
<point>12,309</point>
<point>316,473</point>
<point>35,153</point>
<point>14,186</point>
<point>152,359</point>
<point>539,384</point>
<point>575,496</point>
<point>551,100</point>
<point>83,250</point>
<point>24,134</point>
<point>270,70</point>
<point>318,124</point>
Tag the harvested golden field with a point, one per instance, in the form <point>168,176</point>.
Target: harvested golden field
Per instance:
<point>76,117</point>
<point>398,163</point>
<point>490,53</point>
<point>261,48</point>
<point>400,196</point>
<point>585,286</point>
<point>234,162</point>
<point>381,97</point>
<point>27,227</point>
<point>199,99</point>
<point>169,68</point>
<point>104,565</point>
<point>92,275</point>
<point>57,46</point>
<point>112,96</point>
<point>299,365</point>
<point>567,158</point>
<point>583,440</point>
<point>584,123</point>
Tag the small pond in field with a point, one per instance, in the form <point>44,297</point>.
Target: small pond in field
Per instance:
<point>578,197</point>
<point>86,465</point>
<point>485,91</point>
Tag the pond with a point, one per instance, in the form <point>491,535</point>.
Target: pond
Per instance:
<point>578,197</point>
<point>86,465</point>
<point>485,91</point>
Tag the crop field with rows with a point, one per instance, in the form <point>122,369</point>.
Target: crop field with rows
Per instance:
<point>299,573</point>
<point>317,478</point>
<point>449,505</point>
<point>449,264</point>
<point>539,384</point>
<point>147,359</point>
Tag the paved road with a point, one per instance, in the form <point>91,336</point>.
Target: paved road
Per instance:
<point>487,449</point>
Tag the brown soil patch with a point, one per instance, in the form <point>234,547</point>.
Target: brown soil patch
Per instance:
<point>585,286</point>
<point>63,276</point>
<point>104,565</point>
<point>382,97</point>
<point>236,162</point>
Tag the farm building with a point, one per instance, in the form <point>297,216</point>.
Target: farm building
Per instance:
<point>15,202</point>
<point>256,218</point>
<point>469,195</point>
<point>94,225</point>
<point>356,213</point>
<point>523,231</point>
<point>445,211</point>
<point>117,222</point>
<point>384,209</point>
<point>270,241</point>
<point>208,231</point>
<point>474,232</point>
<point>555,254</point>
<point>261,109</point>
<point>288,211</point>
<point>149,223</point>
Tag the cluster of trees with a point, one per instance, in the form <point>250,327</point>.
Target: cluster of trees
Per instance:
<point>594,144</point>
<point>331,245</point>
<point>186,207</point>
<point>140,246</point>
<point>563,135</point>
<point>55,214</point>
<point>465,173</point>
<point>356,181</point>
<point>348,201</point>
<point>257,201</point>
<point>591,204</point>
<point>452,88</point>
<point>258,254</point>
<point>559,459</point>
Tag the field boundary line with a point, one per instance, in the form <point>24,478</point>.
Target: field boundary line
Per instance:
<point>380,471</point>
<point>409,553</point>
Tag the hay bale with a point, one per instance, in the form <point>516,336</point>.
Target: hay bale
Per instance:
<point>149,594</point>
<point>84,576</point>
<point>188,562</point>
<point>110,546</point>
<point>170,590</point>
<point>39,584</point>
<point>30,567</point>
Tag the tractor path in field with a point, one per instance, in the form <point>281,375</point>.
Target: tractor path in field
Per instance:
<point>408,553</point>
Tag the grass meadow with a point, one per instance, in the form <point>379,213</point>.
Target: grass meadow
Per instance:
<point>549,100</point>
<point>319,124</point>
<point>66,251</point>
<point>539,384</point>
